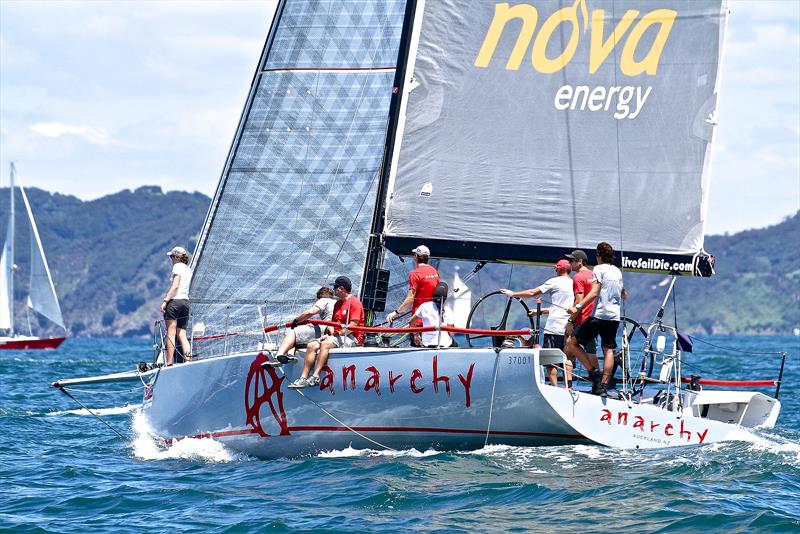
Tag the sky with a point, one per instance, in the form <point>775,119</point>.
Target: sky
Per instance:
<point>100,96</point>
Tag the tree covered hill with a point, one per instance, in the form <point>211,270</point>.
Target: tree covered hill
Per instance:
<point>109,266</point>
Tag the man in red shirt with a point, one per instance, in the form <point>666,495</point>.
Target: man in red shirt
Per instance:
<point>422,282</point>
<point>347,311</point>
<point>581,286</point>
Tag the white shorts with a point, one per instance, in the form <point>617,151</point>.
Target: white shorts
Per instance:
<point>343,341</point>
<point>306,333</point>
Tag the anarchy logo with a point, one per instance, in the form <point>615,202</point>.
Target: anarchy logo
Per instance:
<point>259,390</point>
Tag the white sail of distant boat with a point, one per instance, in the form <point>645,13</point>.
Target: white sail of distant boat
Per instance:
<point>461,302</point>
<point>41,296</point>
<point>425,114</point>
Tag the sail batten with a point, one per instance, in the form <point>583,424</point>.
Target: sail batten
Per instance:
<point>555,125</point>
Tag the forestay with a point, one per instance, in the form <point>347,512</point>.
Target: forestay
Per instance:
<point>532,128</point>
<point>294,204</point>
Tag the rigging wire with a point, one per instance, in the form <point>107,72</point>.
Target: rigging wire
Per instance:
<point>737,351</point>
<point>329,414</point>
<point>67,393</point>
<point>491,400</point>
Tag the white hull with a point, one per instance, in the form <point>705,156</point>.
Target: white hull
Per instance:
<point>630,425</point>
<point>399,398</point>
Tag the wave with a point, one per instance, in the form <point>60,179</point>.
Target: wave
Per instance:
<point>350,452</point>
<point>146,446</point>
<point>98,411</point>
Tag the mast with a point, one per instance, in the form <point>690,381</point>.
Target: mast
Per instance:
<point>11,232</point>
<point>375,249</point>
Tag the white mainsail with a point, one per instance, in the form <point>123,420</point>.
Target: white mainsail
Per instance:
<point>7,267</point>
<point>6,298</point>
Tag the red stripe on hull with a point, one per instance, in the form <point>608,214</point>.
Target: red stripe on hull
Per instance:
<point>246,431</point>
<point>32,344</point>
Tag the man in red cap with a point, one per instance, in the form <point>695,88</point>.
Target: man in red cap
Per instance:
<point>559,289</point>
<point>422,283</point>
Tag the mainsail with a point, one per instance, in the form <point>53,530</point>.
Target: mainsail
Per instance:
<point>6,288</point>
<point>294,204</point>
<point>530,129</point>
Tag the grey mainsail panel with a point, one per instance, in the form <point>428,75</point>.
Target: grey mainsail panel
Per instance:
<point>539,125</point>
<point>294,205</point>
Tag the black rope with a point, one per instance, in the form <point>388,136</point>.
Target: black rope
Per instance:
<point>67,393</point>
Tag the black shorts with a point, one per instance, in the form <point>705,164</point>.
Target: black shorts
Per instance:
<point>593,327</point>
<point>178,310</point>
<point>553,341</point>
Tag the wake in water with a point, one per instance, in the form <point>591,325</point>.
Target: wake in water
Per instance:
<point>350,452</point>
<point>99,411</point>
<point>147,446</point>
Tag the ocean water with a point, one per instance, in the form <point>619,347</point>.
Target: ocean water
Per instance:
<point>64,471</point>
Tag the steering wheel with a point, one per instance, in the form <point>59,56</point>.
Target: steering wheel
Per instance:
<point>631,328</point>
<point>492,303</point>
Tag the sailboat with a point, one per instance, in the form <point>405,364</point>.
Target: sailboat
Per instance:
<point>41,298</point>
<point>491,133</point>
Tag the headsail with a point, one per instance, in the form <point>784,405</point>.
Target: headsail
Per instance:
<point>528,129</point>
<point>294,204</point>
<point>42,295</point>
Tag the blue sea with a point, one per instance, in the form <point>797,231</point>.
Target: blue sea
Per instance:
<point>64,471</point>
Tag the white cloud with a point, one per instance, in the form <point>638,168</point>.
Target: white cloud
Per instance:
<point>96,136</point>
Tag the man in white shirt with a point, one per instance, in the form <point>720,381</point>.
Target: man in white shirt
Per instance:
<point>608,290</point>
<point>559,289</point>
<point>434,313</point>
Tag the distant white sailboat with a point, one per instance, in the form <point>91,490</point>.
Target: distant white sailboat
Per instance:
<point>41,295</point>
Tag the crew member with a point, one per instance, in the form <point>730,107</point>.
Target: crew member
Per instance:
<point>347,311</point>
<point>559,289</point>
<point>608,290</point>
<point>422,283</point>
<point>175,305</point>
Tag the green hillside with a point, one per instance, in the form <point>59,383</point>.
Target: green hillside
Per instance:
<point>109,266</point>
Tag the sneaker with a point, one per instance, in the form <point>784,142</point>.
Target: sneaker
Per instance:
<point>299,383</point>
<point>602,390</point>
<point>595,376</point>
<point>312,380</point>
<point>286,358</point>
<point>271,363</point>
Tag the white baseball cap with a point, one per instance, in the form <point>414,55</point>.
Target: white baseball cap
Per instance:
<point>421,250</point>
<point>177,251</point>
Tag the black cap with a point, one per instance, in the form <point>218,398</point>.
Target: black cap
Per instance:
<point>343,281</point>
<point>578,255</point>
<point>441,290</point>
